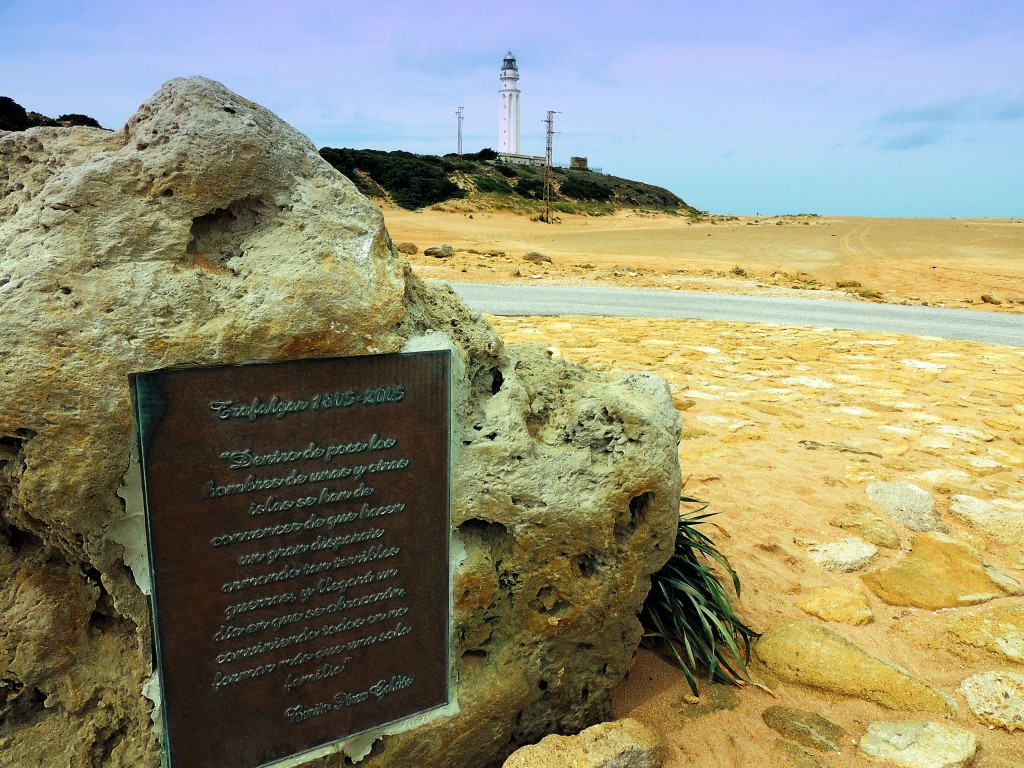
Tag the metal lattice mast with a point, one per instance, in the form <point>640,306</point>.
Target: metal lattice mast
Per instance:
<point>549,175</point>
<point>458,114</point>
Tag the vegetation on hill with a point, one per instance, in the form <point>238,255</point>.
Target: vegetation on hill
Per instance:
<point>14,117</point>
<point>416,181</point>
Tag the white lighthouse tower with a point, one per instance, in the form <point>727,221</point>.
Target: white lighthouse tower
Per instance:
<point>508,125</point>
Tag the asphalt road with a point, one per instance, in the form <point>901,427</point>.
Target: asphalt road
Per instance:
<point>965,324</point>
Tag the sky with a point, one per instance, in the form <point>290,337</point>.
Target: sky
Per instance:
<point>872,108</point>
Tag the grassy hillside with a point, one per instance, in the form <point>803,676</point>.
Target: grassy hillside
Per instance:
<point>416,181</point>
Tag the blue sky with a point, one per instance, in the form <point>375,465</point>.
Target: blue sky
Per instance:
<point>862,108</point>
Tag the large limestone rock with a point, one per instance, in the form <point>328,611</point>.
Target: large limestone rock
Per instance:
<point>810,654</point>
<point>209,231</point>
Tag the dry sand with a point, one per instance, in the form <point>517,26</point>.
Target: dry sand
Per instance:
<point>950,262</point>
<point>784,428</point>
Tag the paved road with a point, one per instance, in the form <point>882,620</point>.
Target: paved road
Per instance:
<point>969,325</point>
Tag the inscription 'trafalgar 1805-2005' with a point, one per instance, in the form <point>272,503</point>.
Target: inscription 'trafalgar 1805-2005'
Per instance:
<point>298,533</point>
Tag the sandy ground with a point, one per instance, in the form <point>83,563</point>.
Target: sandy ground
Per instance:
<point>783,429</point>
<point>948,262</point>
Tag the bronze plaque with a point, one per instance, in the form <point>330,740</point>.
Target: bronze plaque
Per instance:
<point>298,534</point>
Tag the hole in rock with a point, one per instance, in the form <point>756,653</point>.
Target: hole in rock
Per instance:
<point>27,707</point>
<point>587,564</point>
<point>496,381</point>
<point>167,193</point>
<point>627,522</point>
<point>482,530</point>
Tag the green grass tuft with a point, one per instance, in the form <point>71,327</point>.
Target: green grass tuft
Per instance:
<point>688,614</point>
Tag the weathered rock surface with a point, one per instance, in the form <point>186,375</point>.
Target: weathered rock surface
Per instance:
<point>1005,526</point>
<point>843,556</point>
<point>209,231</point>
<point>996,698</point>
<point>919,744</point>
<point>407,248</point>
<point>905,503</point>
<point>537,257</point>
<point>998,629</point>
<point>869,526</point>
<point>619,744</point>
<point>807,728</point>
<point>809,654</point>
<point>839,603</point>
<point>939,573</point>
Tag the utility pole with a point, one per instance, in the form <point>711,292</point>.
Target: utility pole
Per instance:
<point>458,114</point>
<point>549,174</point>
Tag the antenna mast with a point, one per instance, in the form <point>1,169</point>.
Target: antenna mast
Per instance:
<point>549,175</point>
<point>458,114</point>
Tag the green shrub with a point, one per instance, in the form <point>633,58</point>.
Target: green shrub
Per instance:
<point>531,187</point>
<point>579,187</point>
<point>688,614</point>
<point>414,181</point>
<point>489,184</point>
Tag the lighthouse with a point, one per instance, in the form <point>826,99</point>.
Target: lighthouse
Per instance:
<point>508,124</point>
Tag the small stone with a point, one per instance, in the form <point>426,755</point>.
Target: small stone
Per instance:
<point>807,728</point>
<point>940,573</point>
<point>844,556</point>
<point>839,603</point>
<point>537,257</point>
<point>809,654</point>
<point>989,298</point>
<point>906,504</point>
<point>996,698</point>
<point>919,744</point>
<point>789,755</point>
<point>442,251</point>
<point>409,249</point>
<point>869,526</point>
<point>619,744</point>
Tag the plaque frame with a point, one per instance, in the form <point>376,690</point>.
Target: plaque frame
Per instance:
<point>430,374</point>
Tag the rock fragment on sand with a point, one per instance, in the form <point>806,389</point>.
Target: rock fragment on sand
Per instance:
<point>919,744</point>
<point>620,744</point>
<point>840,603</point>
<point>441,251</point>
<point>940,573</point>
<point>409,249</point>
<point>905,503</point>
<point>843,556</point>
<point>537,257</point>
<point>868,526</point>
<point>807,728</point>
<point>809,654</point>
<point>996,698</point>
